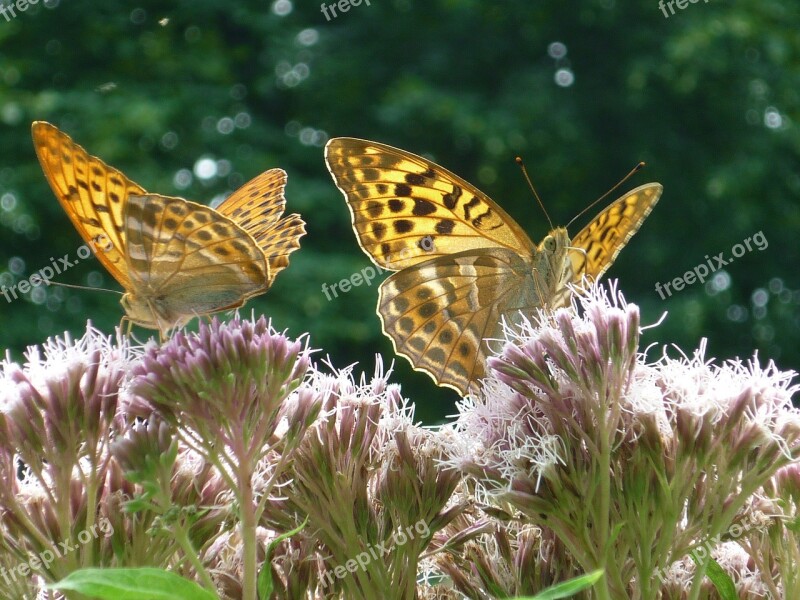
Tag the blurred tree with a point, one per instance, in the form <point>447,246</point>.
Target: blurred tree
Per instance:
<point>708,97</point>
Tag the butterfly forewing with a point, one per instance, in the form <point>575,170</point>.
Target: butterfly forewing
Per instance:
<point>92,194</point>
<point>189,259</point>
<point>259,202</point>
<point>257,207</point>
<point>601,241</point>
<point>406,209</point>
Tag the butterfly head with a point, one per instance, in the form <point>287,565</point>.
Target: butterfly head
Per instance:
<point>555,243</point>
<point>551,268</point>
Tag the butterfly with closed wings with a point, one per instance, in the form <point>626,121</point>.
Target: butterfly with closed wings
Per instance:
<point>176,259</point>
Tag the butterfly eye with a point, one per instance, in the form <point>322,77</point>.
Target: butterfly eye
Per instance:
<point>549,243</point>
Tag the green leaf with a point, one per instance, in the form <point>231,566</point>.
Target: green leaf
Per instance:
<point>145,583</point>
<point>265,585</point>
<point>721,580</point>
<point>567,588</point>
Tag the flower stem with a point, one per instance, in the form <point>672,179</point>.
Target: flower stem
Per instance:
<point>182,537</point>
<point>247,527</point>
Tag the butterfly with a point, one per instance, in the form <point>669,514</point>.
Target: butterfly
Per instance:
<point>175,258</point>
<point>463,265</point>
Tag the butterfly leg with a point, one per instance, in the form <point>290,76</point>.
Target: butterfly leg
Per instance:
<point>122,322</point>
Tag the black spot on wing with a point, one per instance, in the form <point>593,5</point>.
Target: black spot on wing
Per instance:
<point>415,179</point>
<point>90,221</point>
<point>477,221</point>
<point>469,206</point>
<point>379,230</point>
<point>403,226</point>
<point>406,324</point>
<point>177,209</point>
<point>451,199</point>
<point>423,207</point>
<point>240,247</point>
<point>417,343</point>
<point>445,226</point>
<point>437,355</point>
<point>402,190</point>
<point>428,309</point>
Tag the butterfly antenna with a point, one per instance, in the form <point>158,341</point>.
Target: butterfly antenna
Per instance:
<point>83,287</point>
<point>533,189</point>
<point>633,171</point>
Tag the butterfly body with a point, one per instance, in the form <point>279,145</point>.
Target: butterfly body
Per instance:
<point>176,259</point>
<point>552,269</point>
<point>146,309</point>
<point>463,264</point>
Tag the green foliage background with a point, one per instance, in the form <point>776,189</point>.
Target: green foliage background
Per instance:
<point>709,98</point>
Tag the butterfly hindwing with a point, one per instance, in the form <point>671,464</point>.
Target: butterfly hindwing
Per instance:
<point>406,209</point>
<point>441,314</point>
<point>188,258</point>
